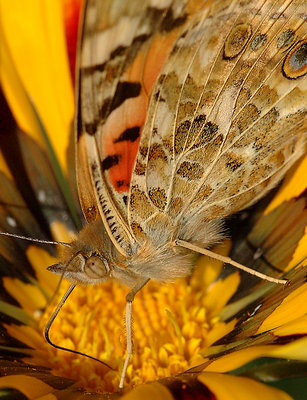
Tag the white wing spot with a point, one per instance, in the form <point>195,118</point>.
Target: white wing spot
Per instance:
<point>41,196</point>
<point>11,221</point>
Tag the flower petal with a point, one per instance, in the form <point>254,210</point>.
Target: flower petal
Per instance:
<point>228,387</point>
<point>238,358</point>
<point>35,39</point>
<point>29,386</point>
<point>297,350</point>
<point>152,391</point>
<point>293,185</point>
<point>292,307</point>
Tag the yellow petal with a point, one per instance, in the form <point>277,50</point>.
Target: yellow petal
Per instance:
<point>238,358</point>
<point>28,296</point>
<point>296,327</point>
<point>300,253</point>
<point>14,90</point>
<point>293,185</point>
<point>209,269</point>
<point>219,330</point>
<point>35,38</point>
<point>26,335</point>
<point>3,166</point>
<point>60,233</point>
<point>291,308</point>
<point>29,386</point>
<point>221,292</point>
<point>296,350</point>
<point>228,387</point>
<point>40,260</point>
<point>152,391</point>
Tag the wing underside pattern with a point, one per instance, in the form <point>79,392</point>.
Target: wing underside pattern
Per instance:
<point>187,109</point>
<point>123,49</point>
<point>224,126</point>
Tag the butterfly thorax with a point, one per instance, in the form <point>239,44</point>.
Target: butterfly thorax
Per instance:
<point>92,257</point>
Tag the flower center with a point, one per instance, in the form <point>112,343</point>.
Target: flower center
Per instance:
<point>171,323</point>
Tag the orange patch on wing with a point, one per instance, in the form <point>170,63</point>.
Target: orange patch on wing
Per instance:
<point>132,113</point>
<point>157,54</point>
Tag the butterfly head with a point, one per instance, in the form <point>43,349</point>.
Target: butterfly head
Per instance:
<point>88,259</point>
<point>83,268</point>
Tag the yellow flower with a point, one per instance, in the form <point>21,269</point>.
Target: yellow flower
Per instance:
<point>188,335</point>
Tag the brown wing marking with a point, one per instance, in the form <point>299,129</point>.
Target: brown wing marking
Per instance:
<point>86,193</point>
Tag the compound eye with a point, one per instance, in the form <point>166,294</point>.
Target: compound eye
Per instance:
<point>96,267</point>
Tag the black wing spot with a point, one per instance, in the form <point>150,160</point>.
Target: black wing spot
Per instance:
<point>131,135</point>
<point>120,183</point>
<point>91,128</point>
<point>124,91</point>
<point>109,162</point>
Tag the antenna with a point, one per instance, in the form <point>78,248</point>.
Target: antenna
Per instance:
<point>33,239</point>
<point>51,320</point>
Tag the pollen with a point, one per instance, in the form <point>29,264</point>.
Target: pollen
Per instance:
<point>172,325</point>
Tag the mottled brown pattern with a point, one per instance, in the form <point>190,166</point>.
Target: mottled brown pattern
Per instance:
<point>210,93</point>
<point>156,152</point>
<point>170,81</point>
<point>258,41</point>
<point>191,171</point>
<point>233,162</point>
<point>140,204</point>
<point>218,140</point>
<point>203,133</point>
<point>214,211</point>
<point>158,197</point>
<point>181,136</point>
<point>138,231</point>
<point>285,39</point>
<point>242,99</point>
<point>224,112</point>
<point>276,160</point>
<point>140,168</point>
<point>191,90</point>
<point>237,40</point>
<point>175,206</point>
<point>186,109</point>
<point>143,150</point>
<point>247,116</point>
<point>265,97</point>
<point>204,192</point>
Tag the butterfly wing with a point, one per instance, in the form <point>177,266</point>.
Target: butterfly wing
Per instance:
<point>227,116</point>
<point>123,47</point>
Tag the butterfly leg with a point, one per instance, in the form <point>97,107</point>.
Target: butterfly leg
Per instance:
<point>227,260</point>
<point>129,299</point>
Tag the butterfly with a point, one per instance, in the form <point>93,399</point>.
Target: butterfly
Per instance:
<point>187,111</point>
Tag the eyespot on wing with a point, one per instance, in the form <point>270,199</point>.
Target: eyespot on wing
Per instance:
<point>295,63</point>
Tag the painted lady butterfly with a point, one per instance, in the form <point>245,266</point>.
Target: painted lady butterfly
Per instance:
<point>187,111</point>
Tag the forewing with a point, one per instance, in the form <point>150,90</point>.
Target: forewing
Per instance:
<point>123,48</point>
<point>227,116</point>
